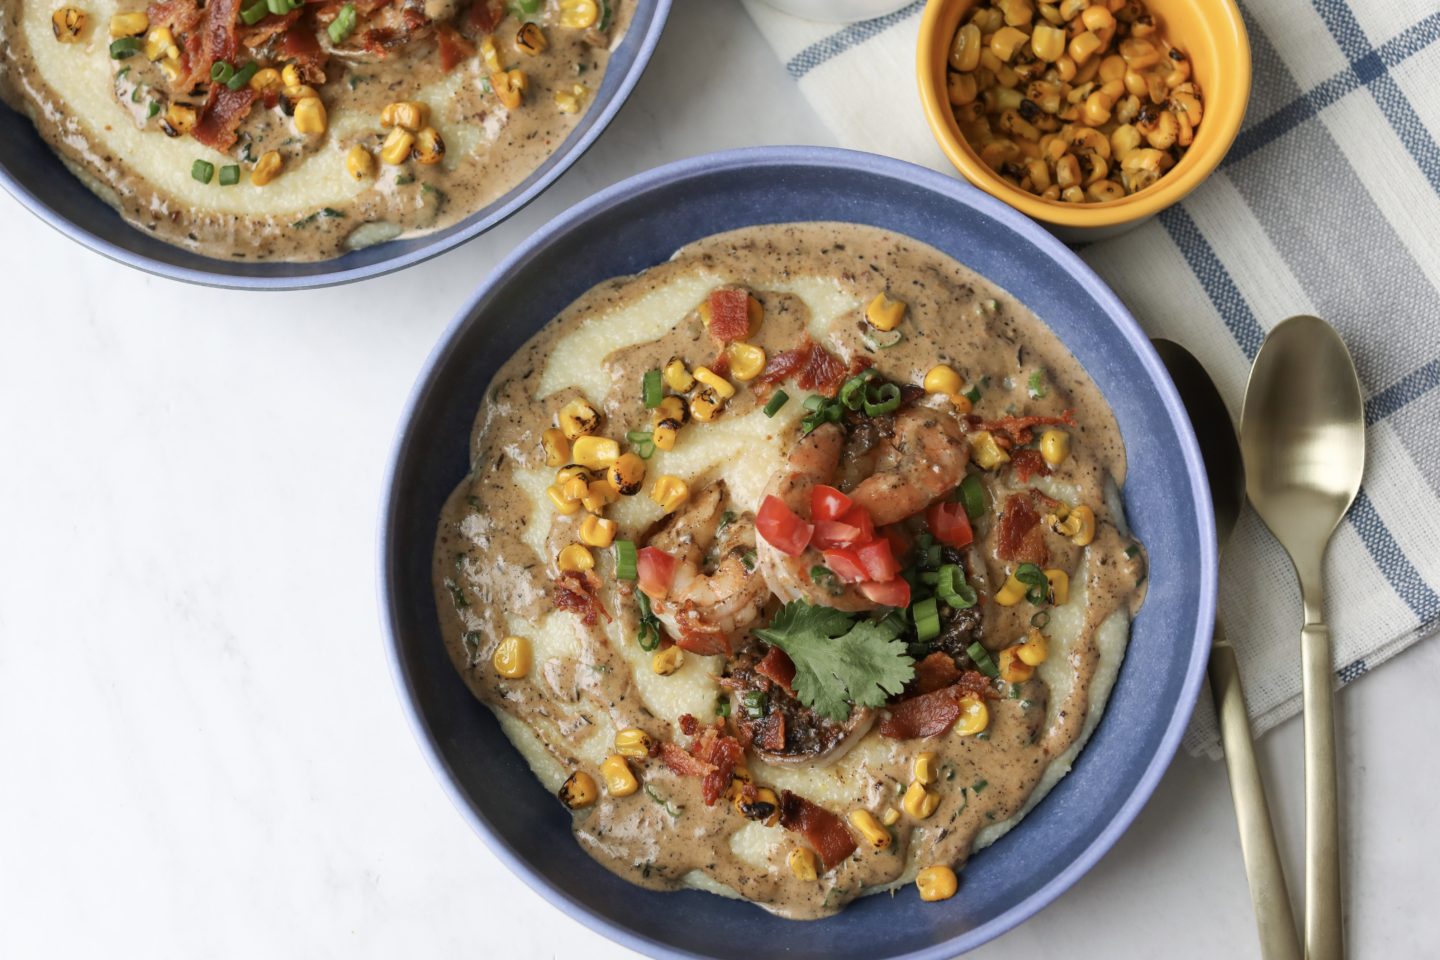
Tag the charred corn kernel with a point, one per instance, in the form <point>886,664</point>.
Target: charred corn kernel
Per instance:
<point>1011,593</point>
<point>722,387</point>
<point>579,418</point>
<point>965,51</point>
<point>738,778</point>
<point>669,492</point>
<point>961,88</point>
<point>267,168</point>
<point>671,408</point>
<point>634,743</point>
<point>579,14</point>
<point>763,808</point>
<point>626,474</point>
<point>1054,446</point>
<point>667,661</point>
<point>987,453</point>
<point>1084,519</point>
<point>569,472</point>
<point>936,883</point>
<point>1035,650</point>
<point>974,716</point>
<point>597,531</point>
<point>924,768</point>
<point>180,118</point>
<point>1083,46</point>
<point>890,817</point>
<point>1017,13</point>
<point>919,801</point>
<point>665,433</point>
<point>705,405</point>
<point>410,114</point>
<point>129,24</point>
<point>429,147</point>
<point>575,559</point>
<point>1102,191</point>
<point>579,791</point>
<point>871,829</point>
<point>1006,42</point>
<point>1047,42</point>
<point>68,23</point>
<point>803,864</point>
<point>1097,108</point>
<point>619,780</point>
<point>510,87</point>
<point>556,445</point>
<point>1012,668</point>
<point>746,361</point>
<point>1124,139</point>
<point>570,101</point>
<point>1188,105</point>
<point>512,658</point>
<point>599,495</point>
<point>576,487</point>
<point>1065,68</point>
<point>396,148</point>
<point>1059,586</point>
<point>1098,19</point>
<point>310,116</point>
<point>942,379</point>
<point>563,504</point>
<point>290,75</point>
<point>677,378</point>
<point>490,56</point>
<point>160,42</point>
<point>293,94</point>
<point>883,313</point>
<point>1075,194</point>
<point>596,453</point>
<point>264,79</point>
<point>530,40</point>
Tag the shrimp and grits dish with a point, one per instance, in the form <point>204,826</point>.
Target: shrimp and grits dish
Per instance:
<point>302,129</point>
<point>793,566</point>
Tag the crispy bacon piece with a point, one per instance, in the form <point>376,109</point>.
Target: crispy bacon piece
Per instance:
<point>482,17</point>
<point>1020,537</point>
<point>454,49</point>
<point>697,635</point>
<point>813,367</point>
<point>300,46</point>
<point>218,40</point>
<point>729,314</point>
<point>781,365</point>
<point>267,29</point>
<point>931,714</point>
<point>935,672</point>
<point>1028,463</point>
<point>222,115</point>
<point>1022,429</point>
<point>825,832</point>
<point>778,667</point>
<point>713,754</point>
<point>576,591</point>
<point>180,16</point>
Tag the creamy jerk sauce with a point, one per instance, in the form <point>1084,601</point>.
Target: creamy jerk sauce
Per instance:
<point>495,560</point>
<point>97,113</point>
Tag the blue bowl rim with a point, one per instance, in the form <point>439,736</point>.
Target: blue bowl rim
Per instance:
<point>950,189</point>
<point>495,216</point>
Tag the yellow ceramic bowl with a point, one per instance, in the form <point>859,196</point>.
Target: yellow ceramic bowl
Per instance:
<point>1209,31</point>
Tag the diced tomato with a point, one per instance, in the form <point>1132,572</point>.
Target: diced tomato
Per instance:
<point>878,561</point>
<point>656,569</point>
<point>832,533</point>
<point>858,516</point>
<point>949,523</point>
<point>781,528</point>
<point>892,593</point>
<point>898,539</point>
<point>827,503</point>
<point>845,564</point>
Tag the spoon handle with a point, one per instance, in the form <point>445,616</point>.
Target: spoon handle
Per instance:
<point>1324,937</point>
<point>1268,891</point>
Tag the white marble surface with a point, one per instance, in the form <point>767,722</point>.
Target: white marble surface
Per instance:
<point>201,754</point>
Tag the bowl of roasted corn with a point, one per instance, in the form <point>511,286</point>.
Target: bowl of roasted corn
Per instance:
<point>1087,115</point>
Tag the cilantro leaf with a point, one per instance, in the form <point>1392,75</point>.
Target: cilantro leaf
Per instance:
<point>838,659</point>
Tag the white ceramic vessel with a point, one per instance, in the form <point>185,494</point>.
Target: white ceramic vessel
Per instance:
<point>838,11</point>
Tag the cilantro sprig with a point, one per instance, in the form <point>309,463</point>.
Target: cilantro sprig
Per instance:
<point>838,659</point>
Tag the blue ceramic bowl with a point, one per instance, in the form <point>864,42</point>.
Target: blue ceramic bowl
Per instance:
<point>641,222</point>
<point>34,175</point>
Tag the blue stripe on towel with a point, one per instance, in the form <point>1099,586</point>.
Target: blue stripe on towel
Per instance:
<point>1393,564</point>
<point>1215,279</point>
<point>1410,387</point>
<point>842,40</point>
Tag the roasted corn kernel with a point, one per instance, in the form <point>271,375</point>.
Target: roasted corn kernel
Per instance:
<point>1059,586</point>
<point>180,118</point>
<point>413,115</point>
<point>310,118</point>
<point>626,474</point>
<point>267,168</point>
<point>1012,668</point>
<point>919,801</point>
<point>882,313</point>
<point>596,531</point>
<point>942,379</point>
<point>160,43</point>
<point>599,495</point>
<point>669,492</point>
<point>890,817</point>
<point>1054,446</point>
<point>290,75</point>
<point>530,40</point>
<point>746,361</point>
<point>672,408</point>
<point>556,445</point>
<point>619,779</point>
<point>936,883</point>
<point>264,79</point>
<point>563,504</point>
<point>579,14</point>
<point>634,743</point>
<point>871,829</point>
<point>579,791</point>
<point>129,24</point>
<point>510,87</point>
<point>68,23</point>
<point>573,99</point>
<point>361,165</point>
<point>1078,524</point>
<point>596,453</point>
<point>429,148</point>
<point>1011,593</point>
<point>575,559</point>
<point>763,807</point>
<point>1035,650</point>
<point>722,387</point>
<point>512,658</point>
<point>396,148</point>
<point>987,453</point>
<point>974,716</point>
<point>665,433</point>
<point>490,55</point>
<point>924,768</point>
<point>705,405</point>
<point>677,378</point>
<point>804,865</point>
<point>667,661</point>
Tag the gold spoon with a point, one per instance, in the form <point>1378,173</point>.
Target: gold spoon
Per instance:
<point>1302,435</point>
<point>1226,472</point>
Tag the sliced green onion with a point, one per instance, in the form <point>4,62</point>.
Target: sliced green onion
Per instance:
<point>722,707</point>
<point>927,619</point>
<point>1036,387</point>
<point>755,703</point>
<point>882,400</point>
<point>1038,587</point>
<point>254,13</point>
<point>343,25</point>
<point>748,559</point>
<point>972,494</point>
<point>652,390</point>
<point>137,92</point>
<point>648,635</point>
<point>523,8</point>
<point>1131,550</point>
<point>221,72</point>
<point>242,77</point>
<point>981,658</point>
<point>153,110</point>
<point>973,395</point>
<point>121,74</point>
<point>230,175</point>
<point>852,394</point>
<point>933,555</point>
<point>125,47</point>
<point>1040,619</point>
<point>952,588</point>
<point>202,170</point>
<point>814,403</point>
<point>625,556</point>
<point>278,7</point>
<point>824,578</point>
<point>644,443</point>
<point>776,402</point>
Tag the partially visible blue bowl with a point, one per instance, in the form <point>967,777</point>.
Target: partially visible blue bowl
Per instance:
<point>34,175</point>
<point>641,222</point>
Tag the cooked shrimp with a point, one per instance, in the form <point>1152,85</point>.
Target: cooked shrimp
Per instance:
<point>716,594</point>
<point>923,460</point>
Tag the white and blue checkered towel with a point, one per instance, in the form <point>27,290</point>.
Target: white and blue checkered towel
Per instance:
<point>1328,203</point>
